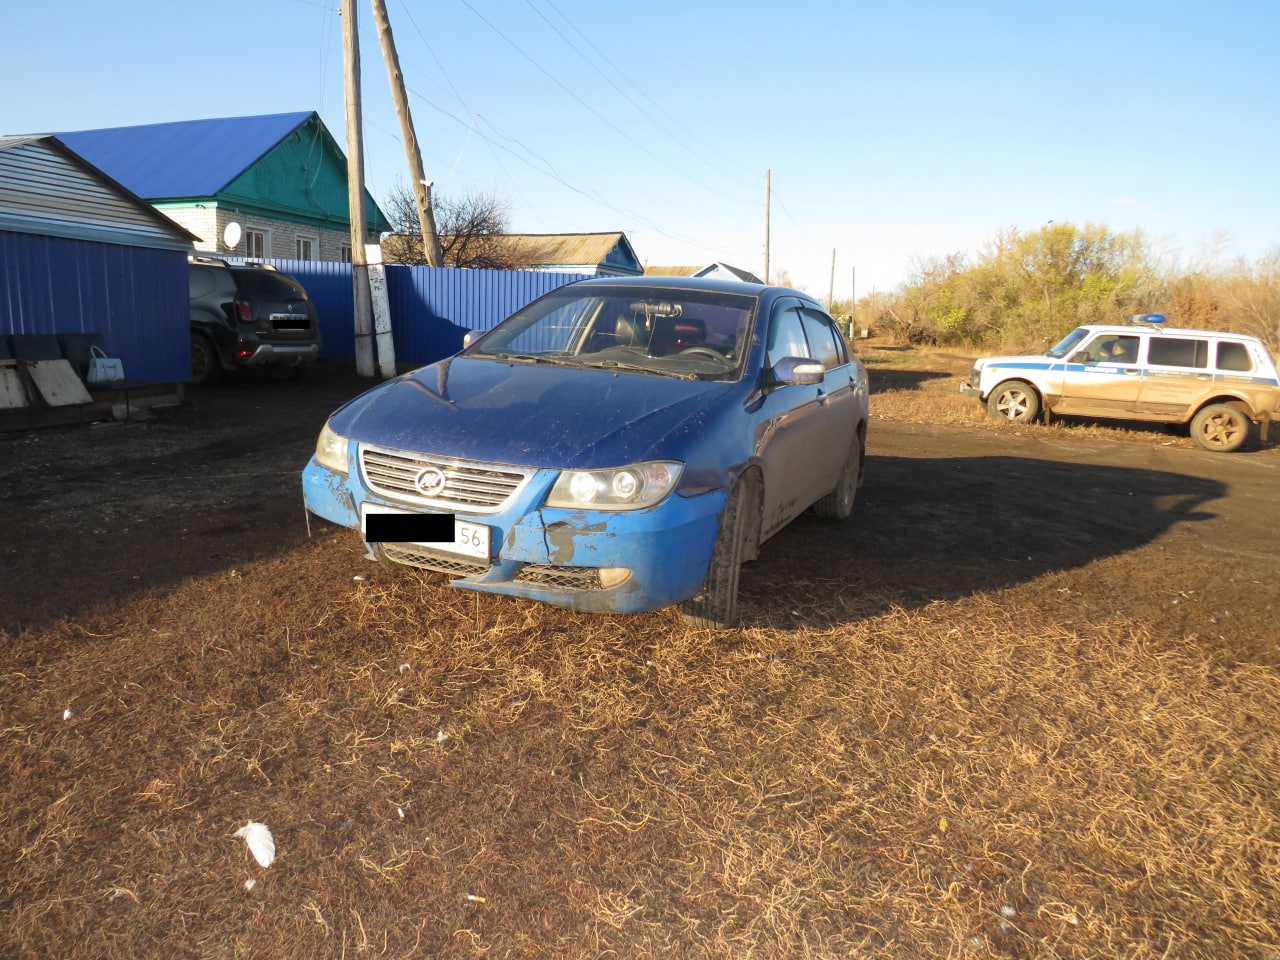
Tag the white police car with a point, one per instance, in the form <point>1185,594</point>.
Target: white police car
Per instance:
<point>1217,382</point>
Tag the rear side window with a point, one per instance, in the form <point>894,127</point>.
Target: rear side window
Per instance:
<point>203,281</point>
<point>823,339</point>
<point>1177,352</point>
<point>268,285</point>
<point>1234,356</point>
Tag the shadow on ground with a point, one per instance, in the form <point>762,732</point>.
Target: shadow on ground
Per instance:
<point>932,529</point>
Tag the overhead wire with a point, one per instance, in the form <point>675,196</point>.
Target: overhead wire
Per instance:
<point>592,110</point>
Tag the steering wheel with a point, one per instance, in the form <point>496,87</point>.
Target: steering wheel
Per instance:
<point>707,352</point>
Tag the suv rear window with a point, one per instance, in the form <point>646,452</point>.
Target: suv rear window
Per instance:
<point>269,286</point>
<point>1234,356</point>
<point>1177,352</point>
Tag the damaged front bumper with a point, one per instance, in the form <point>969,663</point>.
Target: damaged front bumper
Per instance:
<point>601,561</point>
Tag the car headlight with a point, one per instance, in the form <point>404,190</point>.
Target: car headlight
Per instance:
<point>626,488</point>
<point>331,450</point>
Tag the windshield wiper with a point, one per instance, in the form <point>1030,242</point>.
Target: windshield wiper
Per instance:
<point>522,358</point>
<point>640,368</point>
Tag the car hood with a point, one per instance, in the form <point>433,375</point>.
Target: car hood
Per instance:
<point>532,415</point>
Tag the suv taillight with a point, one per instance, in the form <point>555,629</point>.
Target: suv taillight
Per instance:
<point>243,311</point>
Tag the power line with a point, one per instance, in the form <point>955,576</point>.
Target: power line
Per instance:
<point>592,110</point>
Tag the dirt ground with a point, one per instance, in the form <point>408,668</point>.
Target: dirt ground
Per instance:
<point>1025,703</point>
<point>94,515</point>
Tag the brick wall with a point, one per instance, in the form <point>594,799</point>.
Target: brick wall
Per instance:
<point>208,223</point>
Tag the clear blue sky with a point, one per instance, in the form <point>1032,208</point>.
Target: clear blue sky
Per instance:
<point>895,132</point>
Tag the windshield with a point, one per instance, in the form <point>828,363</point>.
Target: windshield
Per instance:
<point>1067,343</point>
<point>692,334</point>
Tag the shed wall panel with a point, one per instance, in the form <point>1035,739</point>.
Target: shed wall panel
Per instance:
<point>135,297</point>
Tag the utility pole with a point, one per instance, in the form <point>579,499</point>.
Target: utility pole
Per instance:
<point>831,288</point>
<point>768,196</point>
<point>421,185</point>
<point>361,301</point>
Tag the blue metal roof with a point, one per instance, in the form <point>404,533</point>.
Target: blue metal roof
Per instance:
<point>188,158</point>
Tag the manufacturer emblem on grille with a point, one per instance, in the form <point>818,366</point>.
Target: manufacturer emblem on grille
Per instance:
<point>430,481</point>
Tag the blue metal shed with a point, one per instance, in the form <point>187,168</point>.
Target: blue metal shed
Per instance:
<point>79,253</point>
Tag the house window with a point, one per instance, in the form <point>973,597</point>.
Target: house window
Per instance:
<point>344,252</point>
<point>255,243</point>
<point>305,248</point>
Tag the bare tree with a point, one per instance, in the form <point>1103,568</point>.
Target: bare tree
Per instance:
<point>472,230</point>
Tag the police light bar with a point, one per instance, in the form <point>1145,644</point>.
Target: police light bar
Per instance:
<point>1151,318</point>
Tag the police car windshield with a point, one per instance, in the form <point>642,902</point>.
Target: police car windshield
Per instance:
<point>1067,343</point>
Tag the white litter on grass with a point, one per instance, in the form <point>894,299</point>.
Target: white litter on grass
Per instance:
<point>250,883</point>
<point>67,714</point>
<point>358,579</point>
<point>259,840</point>
<point>441,737</point>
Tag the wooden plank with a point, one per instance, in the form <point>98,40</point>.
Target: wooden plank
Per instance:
<point>58,382</point>
<point>13,395</point>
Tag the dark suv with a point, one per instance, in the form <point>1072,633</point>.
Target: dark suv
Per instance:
<point>247,315</point>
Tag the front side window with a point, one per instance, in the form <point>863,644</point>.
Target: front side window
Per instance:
<point>786,334</point>
<point>1178,352</point>
<point>1110,348</point>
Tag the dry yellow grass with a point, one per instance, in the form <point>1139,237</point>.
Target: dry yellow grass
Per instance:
<point>896,756</point>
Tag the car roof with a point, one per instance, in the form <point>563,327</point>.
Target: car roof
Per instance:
<point>1135,328</point>
<point>690,283</point>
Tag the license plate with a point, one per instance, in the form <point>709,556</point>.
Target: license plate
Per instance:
<point>469,539</point>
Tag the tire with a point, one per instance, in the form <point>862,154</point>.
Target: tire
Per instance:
<point>715,605</point>
<point>838,504</point>
<point>1220,427</point>
<point>205,366</point>
<point>1014,401</point>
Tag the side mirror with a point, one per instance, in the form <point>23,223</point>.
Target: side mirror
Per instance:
<point>471,336</point>
<point>797,370</point>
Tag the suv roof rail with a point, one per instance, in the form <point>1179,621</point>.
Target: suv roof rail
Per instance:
<point>258,265</point>
<point>196,258</point>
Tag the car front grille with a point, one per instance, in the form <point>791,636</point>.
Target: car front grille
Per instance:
<point>547,575</point>
<point>424,558</point>
<point>468,485</point>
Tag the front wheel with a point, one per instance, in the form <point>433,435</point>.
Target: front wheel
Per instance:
<point>1220,427</point>
<point>715,604</point>
<point>1014,401</point>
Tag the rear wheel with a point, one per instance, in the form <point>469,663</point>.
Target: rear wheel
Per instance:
<point>838,504</point>
<point>716,603</point>
<point>1220,427</point>
<point>1014,401</point>
<point>204,360</point>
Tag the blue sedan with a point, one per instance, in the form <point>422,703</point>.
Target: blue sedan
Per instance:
<point>615,446</point>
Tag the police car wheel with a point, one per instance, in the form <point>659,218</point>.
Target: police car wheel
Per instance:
<point>1014,402</point>
<point>1220,427</point>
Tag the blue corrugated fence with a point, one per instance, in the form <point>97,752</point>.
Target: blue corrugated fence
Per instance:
<point>431,308</point>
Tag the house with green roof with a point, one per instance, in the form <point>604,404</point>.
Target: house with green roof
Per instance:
<point>270,186</point>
